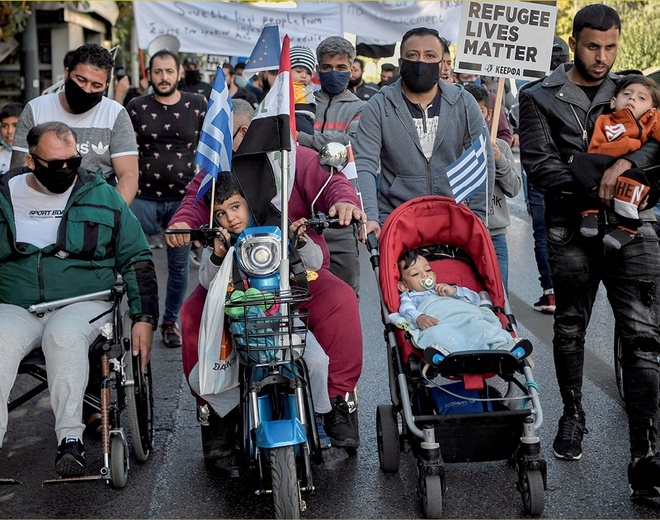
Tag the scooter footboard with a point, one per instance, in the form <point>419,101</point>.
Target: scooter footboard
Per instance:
<point>477,437</point>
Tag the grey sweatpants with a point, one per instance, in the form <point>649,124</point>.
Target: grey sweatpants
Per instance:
<point>65,336</point>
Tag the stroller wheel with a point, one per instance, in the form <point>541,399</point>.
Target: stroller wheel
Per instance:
<point>430,491</point>
<point>387,432</point>
<point>533,492</point>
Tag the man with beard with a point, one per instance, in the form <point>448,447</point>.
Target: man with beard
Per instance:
<point>192,78</point>
<point>105,138</point>
<point>413,129</point>
<point>357,85</point>
<point>167,124</point>
<point>557,116</point>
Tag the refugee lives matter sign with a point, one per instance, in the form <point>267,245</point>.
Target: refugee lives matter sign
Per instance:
<point>507,39</point>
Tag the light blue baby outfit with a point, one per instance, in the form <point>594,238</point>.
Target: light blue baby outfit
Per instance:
<point>462,324</point>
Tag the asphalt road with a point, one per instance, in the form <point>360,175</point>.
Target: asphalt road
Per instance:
<point>174,483</point>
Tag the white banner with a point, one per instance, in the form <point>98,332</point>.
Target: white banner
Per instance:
<point>387,22</point>
<point>506,39</point>
<point>233,28</point>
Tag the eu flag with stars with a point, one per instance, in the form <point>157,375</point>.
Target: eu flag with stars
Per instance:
<point>214,149</point>
<point>266,53</point>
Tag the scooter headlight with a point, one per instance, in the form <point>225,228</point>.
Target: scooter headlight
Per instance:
<point>259,254</point>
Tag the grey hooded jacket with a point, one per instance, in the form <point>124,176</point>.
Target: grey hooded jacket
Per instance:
<point>388,142</point>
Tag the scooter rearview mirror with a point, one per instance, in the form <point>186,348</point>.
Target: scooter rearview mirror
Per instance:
<point>335,157</point>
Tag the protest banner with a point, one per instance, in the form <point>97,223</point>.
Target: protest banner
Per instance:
<point>232,28</point>
<point>506,39</point>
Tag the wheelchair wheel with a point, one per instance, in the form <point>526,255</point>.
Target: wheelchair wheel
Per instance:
<point>118,461</point>
<point>140,401</point>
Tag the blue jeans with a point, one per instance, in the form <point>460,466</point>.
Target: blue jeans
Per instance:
<point>154,218</point>
<point>631,277</point>
<point>502,252</point>
<point>536,204</point>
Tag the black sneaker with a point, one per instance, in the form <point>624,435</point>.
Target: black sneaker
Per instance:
<point>341,424</point>
<point>334,458</point>
<point>219,437</point>
<point>644,477</point>
<point>568,442</point>
<point>70,460</point>
<point>171,334</point>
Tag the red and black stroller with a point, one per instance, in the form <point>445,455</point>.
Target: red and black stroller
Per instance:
<point>454,410</point>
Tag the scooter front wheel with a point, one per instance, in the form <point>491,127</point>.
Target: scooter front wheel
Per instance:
<point>286,494</point>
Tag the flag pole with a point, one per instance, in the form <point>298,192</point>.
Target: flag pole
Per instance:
<point>212,202</point>
<point>284,264</point>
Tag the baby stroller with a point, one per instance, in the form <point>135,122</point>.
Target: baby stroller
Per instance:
<point>467,420</point>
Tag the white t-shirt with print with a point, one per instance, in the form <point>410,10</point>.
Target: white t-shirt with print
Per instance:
<point>37,215</point>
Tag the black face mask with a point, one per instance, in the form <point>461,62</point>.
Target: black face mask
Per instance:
<point>420,76</point>
<point>193,76</point>
<point>55,181</point>
<point>80,101</point>
<point>354,82</point>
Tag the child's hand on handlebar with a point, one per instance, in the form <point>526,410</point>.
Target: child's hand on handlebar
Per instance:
<point>220,245</point>
<point>298,228</point>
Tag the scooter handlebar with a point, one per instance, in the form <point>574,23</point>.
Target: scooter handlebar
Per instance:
<point>203,235</point>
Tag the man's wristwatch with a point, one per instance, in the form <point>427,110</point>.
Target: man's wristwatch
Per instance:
<point>147,318</point>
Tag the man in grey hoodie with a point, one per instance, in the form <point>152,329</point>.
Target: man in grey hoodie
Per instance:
<point>412,130</point>
<point>337,116</point>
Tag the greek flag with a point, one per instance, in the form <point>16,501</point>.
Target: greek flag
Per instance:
<point>214,149</point>
<point>468,174</point>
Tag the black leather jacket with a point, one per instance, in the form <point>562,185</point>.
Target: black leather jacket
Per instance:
<point>556,121</point>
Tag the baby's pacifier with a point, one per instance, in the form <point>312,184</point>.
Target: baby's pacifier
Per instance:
<point>427,283</point>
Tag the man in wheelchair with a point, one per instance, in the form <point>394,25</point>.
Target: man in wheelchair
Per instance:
<point>65,232</point>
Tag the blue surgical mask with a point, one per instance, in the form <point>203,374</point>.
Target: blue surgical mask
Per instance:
<point>334,81</point>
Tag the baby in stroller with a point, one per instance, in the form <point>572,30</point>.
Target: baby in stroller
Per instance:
<point>446,317</point>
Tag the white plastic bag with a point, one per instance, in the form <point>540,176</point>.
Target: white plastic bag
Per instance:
<point>218,361</point>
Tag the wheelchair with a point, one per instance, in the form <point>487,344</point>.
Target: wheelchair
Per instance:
<point>117,389</point>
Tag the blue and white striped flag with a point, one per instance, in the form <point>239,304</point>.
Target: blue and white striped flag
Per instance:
<point>214,149</point>
<point>468,174</point>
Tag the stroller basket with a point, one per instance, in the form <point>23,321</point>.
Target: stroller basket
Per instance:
<point>477,437</point>
<point>268,328</point>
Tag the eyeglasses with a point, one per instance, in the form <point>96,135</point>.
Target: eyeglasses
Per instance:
<point>57,164</point>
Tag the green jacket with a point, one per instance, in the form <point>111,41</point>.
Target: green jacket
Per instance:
<point>97,237</point>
